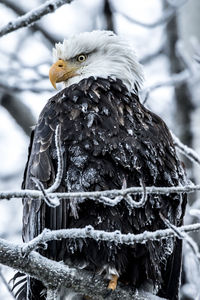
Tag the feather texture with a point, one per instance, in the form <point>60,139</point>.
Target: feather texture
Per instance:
<point>108,137</point>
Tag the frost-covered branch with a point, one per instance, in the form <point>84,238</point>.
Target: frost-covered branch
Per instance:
<point>50,202</point>
<point>187,151</point>
<point>32,16</point>
<point>18,110</point>
<point>54,274</point>
<point>59,174</point>
<point>45,193</point>
<point>99,194</point>
<point>182,235</point>
<point>136,204</point>
<point>19,10</point>
<point>100,235</point>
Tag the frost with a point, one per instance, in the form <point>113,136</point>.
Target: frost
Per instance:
<point>105,111</point>
<point>130,131</point>
<point>84,107</point>
<point>169,246</point>
<point>80,160</point>
<point>78,157</point>
<point>89,177</point>
<point>168,178</point>
<point>90,118</point>
<point>99,220</point>
<point>75,98</point>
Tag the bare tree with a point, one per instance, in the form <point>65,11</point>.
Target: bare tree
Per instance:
<point>183,96</point>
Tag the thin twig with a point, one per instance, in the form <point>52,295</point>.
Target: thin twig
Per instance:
<point>137,204</point>
<point>182,235</point>
<point>59,174</point>
<point>100,235</point>
<point>7,195</point>
<point>187,151</point>
<point>50,202</point>
<point>19,10</point>
<point>108,201</point>
<point>32,16</point>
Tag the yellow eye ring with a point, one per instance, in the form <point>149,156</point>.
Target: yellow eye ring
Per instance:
<point>81,58</point>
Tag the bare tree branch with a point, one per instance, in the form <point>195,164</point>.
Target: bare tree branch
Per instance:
<point>182,235</point>
<point>59,174</point>
<point>19,111</point>
<point>4,195</point>
<point>32,16</point>
<point>183,96</point>
<point>54,274</point>
<point>50,202</point>
<point>132,203</point>
<point>36,27</point>
<point>108,16</point>
<point>100,235</point>
<point>187,151</point>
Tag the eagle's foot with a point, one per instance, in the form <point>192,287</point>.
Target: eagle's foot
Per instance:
<point>113,283</point>
<point>111,286</point>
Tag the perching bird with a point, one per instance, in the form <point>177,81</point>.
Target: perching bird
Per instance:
<point>109,140</point>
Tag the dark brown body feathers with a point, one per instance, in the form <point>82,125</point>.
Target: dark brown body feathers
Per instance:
<point>107,138</point>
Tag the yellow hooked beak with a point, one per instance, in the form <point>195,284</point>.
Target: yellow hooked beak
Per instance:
<point>61,71</point>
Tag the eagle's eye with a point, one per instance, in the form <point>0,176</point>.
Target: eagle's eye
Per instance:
<point>81,57</point>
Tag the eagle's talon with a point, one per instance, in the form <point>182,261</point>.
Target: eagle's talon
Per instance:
<point>111,286</point>
<point>113,282</point>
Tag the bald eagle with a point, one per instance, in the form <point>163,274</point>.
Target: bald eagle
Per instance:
<point>108,140</point>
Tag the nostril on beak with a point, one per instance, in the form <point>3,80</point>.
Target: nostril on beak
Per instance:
<point>60,66</point>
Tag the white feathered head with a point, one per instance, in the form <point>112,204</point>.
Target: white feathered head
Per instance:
<point>98,54</point>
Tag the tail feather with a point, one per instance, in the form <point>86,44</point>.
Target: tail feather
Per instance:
<point>25,288</point>
<point>19,285</point>
<point>171,285</point>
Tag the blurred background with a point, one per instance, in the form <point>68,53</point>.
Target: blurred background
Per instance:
<point>166,37</point>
